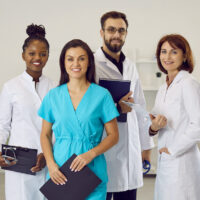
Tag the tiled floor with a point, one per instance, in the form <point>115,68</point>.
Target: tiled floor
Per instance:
<point>144,193</point>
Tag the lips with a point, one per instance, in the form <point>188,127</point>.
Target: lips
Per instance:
<point>168,62</point>
<point>76,69</point>
<point>37,63</point>
<point>116,41</point>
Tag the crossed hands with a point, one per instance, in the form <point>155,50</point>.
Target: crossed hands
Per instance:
<point>77,165</point>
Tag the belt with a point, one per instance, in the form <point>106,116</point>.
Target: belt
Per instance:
<point>92,143</point>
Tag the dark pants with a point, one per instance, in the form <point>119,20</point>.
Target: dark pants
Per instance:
<point>126,195</point>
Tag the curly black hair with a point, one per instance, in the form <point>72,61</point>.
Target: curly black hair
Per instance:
<point>35,32</point>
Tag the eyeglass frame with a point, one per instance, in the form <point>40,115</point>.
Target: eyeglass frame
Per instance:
<point>114,30</point>
<point>6,157</point>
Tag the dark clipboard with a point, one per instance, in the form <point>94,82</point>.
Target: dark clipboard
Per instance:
<point>78,186</point>
<point>26,158</point>
<point>118,89</point>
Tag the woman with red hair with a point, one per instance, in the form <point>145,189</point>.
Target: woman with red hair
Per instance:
<point>176,119</point>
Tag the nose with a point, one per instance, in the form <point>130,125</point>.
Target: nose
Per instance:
<point>168,55</point>
<point>76,63</point>
<point>37,57</point>
<point>117,34</point>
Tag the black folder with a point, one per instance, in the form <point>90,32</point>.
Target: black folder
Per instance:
<point>118,89</point>
<point>78,186</point>
<point>26,158</point>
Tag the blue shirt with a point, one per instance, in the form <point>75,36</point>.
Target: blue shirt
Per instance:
<point>78,131</point>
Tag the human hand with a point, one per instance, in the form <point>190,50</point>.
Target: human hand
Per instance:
<point>56,175</point>
<point>124,107</point>
<point>164,149</point>
<point>146,155</point>
<point>158,122</point>
<point>40,164</point>
<point>82,160</point>
<point>3,162</point>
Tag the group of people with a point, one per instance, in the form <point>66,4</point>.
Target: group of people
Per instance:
<point>83,117</point>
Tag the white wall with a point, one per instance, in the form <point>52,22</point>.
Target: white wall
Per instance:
<point>68,19</point>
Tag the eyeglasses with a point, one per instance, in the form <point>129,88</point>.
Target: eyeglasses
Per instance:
<point>9,155</point>
<point>113,30</point>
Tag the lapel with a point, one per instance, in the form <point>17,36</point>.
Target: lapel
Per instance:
<point>75,113</point>
<point>179,77</point>
<point>107,66</point>
<point>31,86</point>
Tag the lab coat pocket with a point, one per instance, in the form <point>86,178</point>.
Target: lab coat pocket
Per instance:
<point>166,156</point>
<point>167,161</point>
<point>168,169</point>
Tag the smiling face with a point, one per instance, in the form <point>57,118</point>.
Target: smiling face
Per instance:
<point>171,58</point>
<point>114,34</point>
<point>35,55</point>
<point>76,63</point>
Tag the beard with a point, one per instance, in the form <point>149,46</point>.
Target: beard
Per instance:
<point>114,48</point>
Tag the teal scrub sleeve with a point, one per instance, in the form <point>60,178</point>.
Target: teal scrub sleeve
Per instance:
<point>45,110</point>
<point>109,110</point>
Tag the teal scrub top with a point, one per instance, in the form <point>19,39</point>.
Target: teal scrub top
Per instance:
<point>78,131</point>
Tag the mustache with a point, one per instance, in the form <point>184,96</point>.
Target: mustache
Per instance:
<point>116,39</point>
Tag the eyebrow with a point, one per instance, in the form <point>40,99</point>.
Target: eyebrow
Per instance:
<point>73,56</point>
<point>39,51</point>
<point>116,27</point>
<point>172,48</point>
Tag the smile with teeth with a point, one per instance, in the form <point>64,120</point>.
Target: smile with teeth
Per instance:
<point>37,63</point>
<point>168,62</point>
<point>76,69</point>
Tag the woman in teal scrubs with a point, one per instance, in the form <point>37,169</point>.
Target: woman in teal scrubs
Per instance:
<point>77,112</point>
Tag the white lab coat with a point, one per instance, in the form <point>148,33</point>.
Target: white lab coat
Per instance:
<point>124,163</point>
<point>178,174</point>
<point>19,103</point>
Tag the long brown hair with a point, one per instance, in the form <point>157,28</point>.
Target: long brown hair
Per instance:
<point>90,74</point>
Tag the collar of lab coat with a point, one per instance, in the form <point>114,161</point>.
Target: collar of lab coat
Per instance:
<point>102,58</point>
<point>181,75</point>
<point>30,78</point>
<point>100,55</point>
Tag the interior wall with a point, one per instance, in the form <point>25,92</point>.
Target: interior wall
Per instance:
<point>65,20</point>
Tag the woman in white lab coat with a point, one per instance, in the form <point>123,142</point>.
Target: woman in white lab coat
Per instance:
<point>176,118</point>
<point>19,101</point>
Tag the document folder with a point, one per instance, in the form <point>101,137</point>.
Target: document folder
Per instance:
<point>78,186</point>
<point>26,158</point>
<point>118,89</point>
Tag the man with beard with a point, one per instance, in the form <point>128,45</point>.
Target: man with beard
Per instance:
<point>124,161</point>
